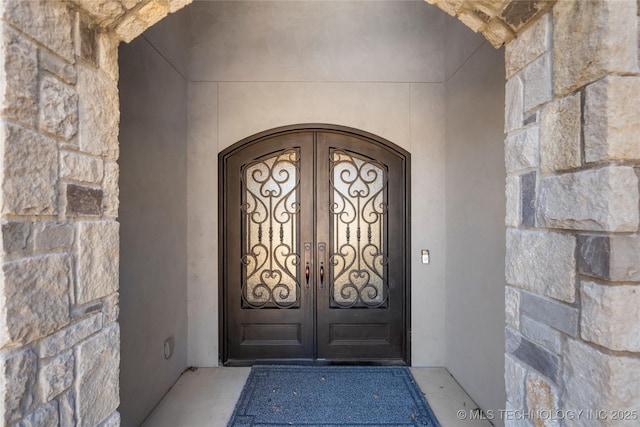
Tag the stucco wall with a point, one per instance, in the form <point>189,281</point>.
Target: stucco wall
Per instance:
<point>310,75</point>
<point>475,219</point>
<point>153,217</point>
<point>376,66</point>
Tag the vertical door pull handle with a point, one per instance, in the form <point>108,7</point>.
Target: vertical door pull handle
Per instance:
<point>322,258</point>
<point>307,262</point>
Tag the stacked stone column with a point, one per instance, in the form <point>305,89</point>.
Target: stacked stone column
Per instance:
<point>59,336</point>
<point>59,339</point>
<point>572,156</point>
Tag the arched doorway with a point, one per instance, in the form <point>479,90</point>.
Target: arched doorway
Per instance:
<point>314,243</point>
<point>578,36</point>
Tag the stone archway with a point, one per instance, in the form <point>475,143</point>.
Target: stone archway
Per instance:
<point>572,156</point>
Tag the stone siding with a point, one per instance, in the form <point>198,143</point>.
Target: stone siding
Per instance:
<point>59,342</point>
<point>572,321</point>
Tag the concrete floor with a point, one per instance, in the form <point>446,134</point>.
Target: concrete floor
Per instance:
<point>206,398</point>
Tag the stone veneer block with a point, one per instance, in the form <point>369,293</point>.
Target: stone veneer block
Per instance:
<point>36,294</point>
<point>79,167</point>
<point>593,255</point>
<point>529,45</point>
<point>512,417</point>
<point>513,200</point>
<point>596,380</point>
<point>58,108</point>
<point>591,39</point>
<point>56,375</point>
<point>153,11</point>
<point>560,130</point>
<point>99,112</point>
<point>514,103</point>
<point>612,121</point>
<point>609,257</point>
<point>30,172</point>
<point>87,41</point>
<point>103,11</point>
<point>112,421</point>
<point>532,354</point>
<point>51,235</point>
<point>130,4</point>
<point>20,74</point>
<point>49,22</point>
<point>521,149</point>
<point>472,20</point>
<point>61,69</point>
<point>497,33</point>
<point>537,83</point>
<point>543,262</point>
<point>15,237</point>
<point>17,385</point>
<point>111,197</point>
<point>79,311</point>
<point>108,55</point>
<point>98,261</point>
<point>66,405</point>
<point>514,378</point>
<point>130,27</point>
<point>97,389</point>
<point>83,201</point>
<point>512,307</point>
<point>111,308</point>
<point>555,314</point>
<point>610,316</point>
<point>542,334</point>
<point>528,198</point>
<point>542,398</point>
<point>69,336</point>
<point>604,199</point>
<point>518,13</point>
<point>45,416</point>
<point>175,5</point>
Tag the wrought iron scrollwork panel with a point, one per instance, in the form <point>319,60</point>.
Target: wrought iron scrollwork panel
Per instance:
<point>359,219</point>
<point>270,212</point>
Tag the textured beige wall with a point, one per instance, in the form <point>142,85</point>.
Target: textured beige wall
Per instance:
<point>383,74</point>
<point>316,41</point>
<point>475,227</point>
<point>411,115</point>
<point>153,218</point>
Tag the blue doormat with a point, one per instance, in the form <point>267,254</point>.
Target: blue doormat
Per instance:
<point>331,396</point>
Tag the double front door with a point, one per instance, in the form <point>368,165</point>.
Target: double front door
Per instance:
<point>313,248</point>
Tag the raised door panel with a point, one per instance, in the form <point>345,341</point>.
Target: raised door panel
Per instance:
<point>269,216</point>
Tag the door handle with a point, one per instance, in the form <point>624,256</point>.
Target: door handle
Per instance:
<point>306,274</point>
<point>307,261</point>
<point>322,258</point>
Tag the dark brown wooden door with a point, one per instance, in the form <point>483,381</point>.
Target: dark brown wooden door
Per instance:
<point>314,248</point>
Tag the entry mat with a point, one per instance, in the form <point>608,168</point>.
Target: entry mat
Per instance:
<point>331,396</point>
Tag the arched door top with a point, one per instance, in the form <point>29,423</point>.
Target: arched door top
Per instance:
<point>311,127</point>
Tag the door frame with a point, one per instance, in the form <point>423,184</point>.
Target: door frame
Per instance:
<point>224,155</point>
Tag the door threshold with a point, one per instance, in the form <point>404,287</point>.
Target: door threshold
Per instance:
<point>314,362</point>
